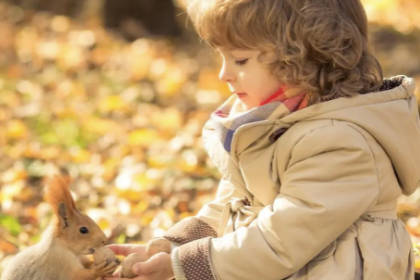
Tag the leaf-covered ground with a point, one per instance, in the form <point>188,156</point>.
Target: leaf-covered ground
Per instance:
<point>123,118</point>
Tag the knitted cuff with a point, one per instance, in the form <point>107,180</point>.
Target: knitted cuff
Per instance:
<point>195,260</point>
<point>188,230</point>
<point>176,266</point>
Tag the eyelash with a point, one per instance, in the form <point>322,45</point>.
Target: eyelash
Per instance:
<point>242,61</point>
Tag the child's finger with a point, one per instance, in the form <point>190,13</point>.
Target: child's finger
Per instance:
<point>153,264</point>
<point>145,267</point>
<point>125,249</point>
<point>117,272</point>
<point>120,249</point>
<point>116,278</point>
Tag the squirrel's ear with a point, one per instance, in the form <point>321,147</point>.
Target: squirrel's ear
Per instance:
<point>58,195</point>
<point>63,215</point>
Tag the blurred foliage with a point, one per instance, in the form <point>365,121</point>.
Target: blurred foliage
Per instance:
<point>403,15</point>
<point>125,118</point>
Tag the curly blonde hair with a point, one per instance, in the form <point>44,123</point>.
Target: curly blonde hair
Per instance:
<point>320,46</point>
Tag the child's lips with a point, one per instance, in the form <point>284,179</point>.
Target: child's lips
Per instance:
<point>240,94</point>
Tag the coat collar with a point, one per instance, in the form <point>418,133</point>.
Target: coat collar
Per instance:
<point>387,109</point>
<point>340,109</point>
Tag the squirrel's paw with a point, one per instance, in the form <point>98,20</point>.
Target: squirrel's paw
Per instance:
<point>105,267</point>
<point>105,261</point>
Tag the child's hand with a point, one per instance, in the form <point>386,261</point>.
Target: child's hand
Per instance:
<point>158,267</point>
<point>127,249</point>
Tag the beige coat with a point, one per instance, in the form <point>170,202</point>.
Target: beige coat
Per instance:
<point>322,196</point>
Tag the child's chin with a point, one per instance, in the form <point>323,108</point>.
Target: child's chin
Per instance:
<point>245,104</point>
<point>249,105</point>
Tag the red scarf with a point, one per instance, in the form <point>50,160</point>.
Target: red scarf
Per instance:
<point>293,103</point>
<point>226,125</point>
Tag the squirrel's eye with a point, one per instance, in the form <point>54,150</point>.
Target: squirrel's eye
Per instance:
<point>84,230</point>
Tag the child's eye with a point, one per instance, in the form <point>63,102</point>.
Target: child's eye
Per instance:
<point>241,61</point>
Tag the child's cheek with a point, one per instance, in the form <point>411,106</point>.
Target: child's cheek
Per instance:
<point>241,75</point>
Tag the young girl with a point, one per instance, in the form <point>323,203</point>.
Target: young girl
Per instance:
<point>314,148</point>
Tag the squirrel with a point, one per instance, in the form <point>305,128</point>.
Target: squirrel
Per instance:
<point>68,239</point>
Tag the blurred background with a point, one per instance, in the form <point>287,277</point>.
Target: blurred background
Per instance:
<point>115,93</point>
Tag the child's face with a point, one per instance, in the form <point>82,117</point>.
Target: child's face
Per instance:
<point>246,76</point>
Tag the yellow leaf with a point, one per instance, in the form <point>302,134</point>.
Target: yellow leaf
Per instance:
<point>111,103</point>
<point>140,207</point>
<point>79,155</point>
<point>13,175</point>
<point>104,224</point>
<point>417,92</point>
<point>168,121</point>
<point>159,161</point>
<point>78,90</point>
<point>413,226</point>
<point>186,166</point>
<point>171,82</point>
<point>99,126</point>
<point>147,218</point>
<point>188,162</point>
<point>130,194</point>
<point>48,49</point>
<point>10,191</point>
<point>139,68</point>
<point>110,168</point>
<point>45,153</point>
<point>141,55</point>
<point>143,182</point>
<point>185,215</point>
<point>71,57</point>
<point>171,213</point>
<point>142,137</point>
<point>60,23</point>
<point>16,129</point>
<point>3,115</point>
<point>417,264</point>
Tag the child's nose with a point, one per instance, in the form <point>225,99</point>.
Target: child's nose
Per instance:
<point>225,75</point>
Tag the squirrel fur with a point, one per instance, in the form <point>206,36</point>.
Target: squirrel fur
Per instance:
<point>70,236</point>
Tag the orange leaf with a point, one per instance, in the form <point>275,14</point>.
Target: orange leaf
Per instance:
<point>7,247</point>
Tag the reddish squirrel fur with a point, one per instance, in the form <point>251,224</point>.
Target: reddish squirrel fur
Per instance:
<point>70,236</point>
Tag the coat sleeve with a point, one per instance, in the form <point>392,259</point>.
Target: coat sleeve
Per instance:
<point>208,220</point>
<point>330,181</point>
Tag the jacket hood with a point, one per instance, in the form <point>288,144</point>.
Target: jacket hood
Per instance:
<point>391,116</point>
